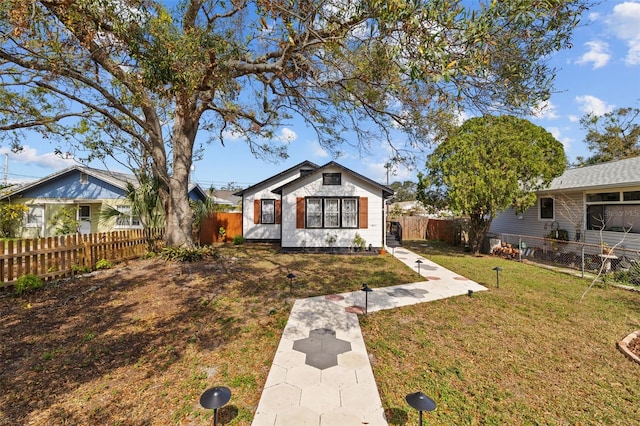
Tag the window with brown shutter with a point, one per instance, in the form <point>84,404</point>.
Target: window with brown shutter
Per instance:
<point>278,211</point>
<point>364,212</point>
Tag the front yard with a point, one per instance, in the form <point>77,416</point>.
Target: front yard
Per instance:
<point>138,344</point>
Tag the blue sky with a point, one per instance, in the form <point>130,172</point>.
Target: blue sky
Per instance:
<point>599,73</point>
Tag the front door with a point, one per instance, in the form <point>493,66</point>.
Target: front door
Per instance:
<point>84,217</point>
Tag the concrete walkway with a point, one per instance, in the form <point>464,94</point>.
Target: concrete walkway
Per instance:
<point>321,374</point>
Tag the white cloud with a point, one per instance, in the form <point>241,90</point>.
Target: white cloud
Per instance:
<point>592,105</point>
<point>29,156</point>
<point>574,118</point>
<point>546,110</point>
<point>557,133</point>
<point>624,22</point>
<point>598,54</point>
<point>287,135</point>
<point>318,151</point>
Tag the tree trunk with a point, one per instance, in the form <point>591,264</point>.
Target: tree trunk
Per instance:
<point>178,212</point>
<point>477,231</point>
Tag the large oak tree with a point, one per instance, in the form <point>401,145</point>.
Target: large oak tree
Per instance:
<point>487,165</point>
<point>137,80</point>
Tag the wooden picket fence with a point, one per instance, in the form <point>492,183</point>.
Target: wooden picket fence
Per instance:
<point>54,258</point>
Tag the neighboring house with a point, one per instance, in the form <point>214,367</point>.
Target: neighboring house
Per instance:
<point>226,197</point>
<point>85,188</point>
<point>308,206</point>
<point>581,202</point>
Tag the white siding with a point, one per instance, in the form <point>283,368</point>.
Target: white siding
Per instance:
<point>254,231</point>
<point>351,187</point>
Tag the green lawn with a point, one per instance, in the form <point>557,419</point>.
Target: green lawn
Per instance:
<point>528,352</point>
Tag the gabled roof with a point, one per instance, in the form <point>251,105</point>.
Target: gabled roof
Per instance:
<point>621,173</point>
<point>386,191</point>
<point>117,179</point>
<point>277,177</point>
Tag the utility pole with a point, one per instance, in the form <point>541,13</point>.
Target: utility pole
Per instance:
<point>6,168</point>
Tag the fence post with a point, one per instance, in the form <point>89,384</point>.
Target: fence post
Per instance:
<point>519,249</point>
<point>582,262</point>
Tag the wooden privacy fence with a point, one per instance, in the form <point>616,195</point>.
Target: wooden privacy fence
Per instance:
<point>413,227</point>
<point>59,257</point>
<point>210,227</point>
<point>424,228</point>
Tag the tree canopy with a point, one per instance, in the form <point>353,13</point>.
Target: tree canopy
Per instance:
<point>137,80</point>
<point>487,165</point>
<point>403,191</point>
<point>612,136</point>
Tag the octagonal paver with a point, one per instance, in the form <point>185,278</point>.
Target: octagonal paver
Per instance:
<point>322,348</point>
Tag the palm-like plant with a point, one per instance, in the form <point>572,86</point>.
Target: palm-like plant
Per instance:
<point>146,206</point>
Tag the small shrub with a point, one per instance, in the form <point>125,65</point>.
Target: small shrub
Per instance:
<point>79,269</point>
<point>239,239</point>
<point>182,254</point>
<point>26,283</point>
<point>104,264</point>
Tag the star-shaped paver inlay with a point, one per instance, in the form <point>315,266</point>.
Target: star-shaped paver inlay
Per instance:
<point>322,348</point>
<point>404,292</point>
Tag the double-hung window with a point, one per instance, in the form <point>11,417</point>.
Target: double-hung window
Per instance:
<point>314,213</point>
<point>332,212</point>
<point>268,211</point>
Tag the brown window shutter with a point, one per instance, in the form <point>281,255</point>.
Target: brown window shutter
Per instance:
<point>278,211</point>
<point>300,212</point>
<point>256,211</point>
<point>363,209</point>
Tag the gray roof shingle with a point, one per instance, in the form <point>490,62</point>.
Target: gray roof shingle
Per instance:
<point>621,173</point>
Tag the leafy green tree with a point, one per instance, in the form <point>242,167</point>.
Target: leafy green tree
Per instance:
<point>404,191</point>
<point>489,164</point>
<point>66,221</point>
<point>612,136</point>
<point>11,217</point>
<point>137,80</point>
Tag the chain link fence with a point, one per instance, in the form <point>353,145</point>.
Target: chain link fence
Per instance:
<point>620,264</point>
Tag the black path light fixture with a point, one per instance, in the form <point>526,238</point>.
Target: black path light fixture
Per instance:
<point>419,262</point>
<point>291,276</point>
<point>421,402</point>
<point>366,290</point>
<point>497,269</point>
<point>214,398</point>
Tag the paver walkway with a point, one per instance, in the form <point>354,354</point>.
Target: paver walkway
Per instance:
<point>321,374</point>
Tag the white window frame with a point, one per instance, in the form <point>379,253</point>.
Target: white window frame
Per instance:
<point>34,217</point>
<point>553,210</point>
<point>126,220</point>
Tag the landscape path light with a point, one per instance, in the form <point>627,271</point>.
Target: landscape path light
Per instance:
<point>214,398</point>
<point>497,269</point>
<point>419,262</point>
<point>366,290</point>
<point>291,276</point>
<point>421,402</point>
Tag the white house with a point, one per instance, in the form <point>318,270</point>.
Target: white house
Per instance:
<point>580,202</point>
<point>310,206</point>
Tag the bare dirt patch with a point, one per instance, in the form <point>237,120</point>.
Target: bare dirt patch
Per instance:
<point>139,343</point>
